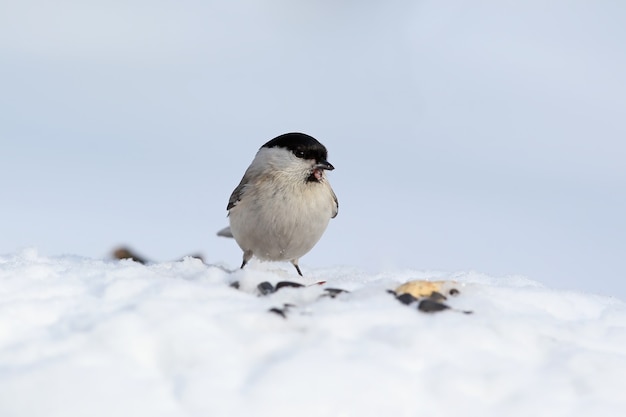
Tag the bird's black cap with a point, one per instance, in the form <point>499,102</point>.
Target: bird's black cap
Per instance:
<point>302,145</point>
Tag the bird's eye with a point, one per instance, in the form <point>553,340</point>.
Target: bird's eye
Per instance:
<point>300,154</point>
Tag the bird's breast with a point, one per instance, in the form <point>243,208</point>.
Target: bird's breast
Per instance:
<point>282,223</point>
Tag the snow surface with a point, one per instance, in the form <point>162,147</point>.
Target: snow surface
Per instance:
<point>89,337</point>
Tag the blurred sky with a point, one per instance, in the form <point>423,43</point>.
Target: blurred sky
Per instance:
<point>485,135</point>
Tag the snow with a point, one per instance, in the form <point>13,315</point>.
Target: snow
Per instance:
<point>81,336</point>
<point>467,136</point>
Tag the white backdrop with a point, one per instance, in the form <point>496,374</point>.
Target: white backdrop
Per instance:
<point>483,135</point>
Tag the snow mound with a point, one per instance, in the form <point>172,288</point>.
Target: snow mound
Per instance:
<point>85,337</point>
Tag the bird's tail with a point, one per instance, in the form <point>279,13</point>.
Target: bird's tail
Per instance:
<point>225,232</point>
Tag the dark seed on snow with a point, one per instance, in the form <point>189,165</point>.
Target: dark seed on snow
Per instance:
<point>282,284</point>
<point>454,292</point>
<point>235,285</point>
<point>428,305</point>
<point>333,292</point>
<point>265,288</point>
<point>406,298</point>
<point>437,296</point>
<point>278,311</point>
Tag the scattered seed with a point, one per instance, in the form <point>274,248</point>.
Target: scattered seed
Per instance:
<point>454,292</point>
<point>437,296</point>
<point>278,311</point>
<point>406,298</point>
<point>265,288</point>
<point>428,305</point>
<point>333,292</point>
<point>282,311</point>
<point>282,284</point>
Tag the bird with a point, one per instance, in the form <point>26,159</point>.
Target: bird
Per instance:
<point>284,202</point>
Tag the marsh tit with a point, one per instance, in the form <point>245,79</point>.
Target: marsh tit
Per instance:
<point>284,202</point>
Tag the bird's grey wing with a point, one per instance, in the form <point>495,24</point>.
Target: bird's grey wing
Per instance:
<point>336,209</point>
<point>235,197</point>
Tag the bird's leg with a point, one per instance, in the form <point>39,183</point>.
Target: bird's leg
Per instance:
<point>295,263</point>
<point>247,255</point>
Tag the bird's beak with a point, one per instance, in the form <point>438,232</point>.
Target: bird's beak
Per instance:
<point>324,164</point>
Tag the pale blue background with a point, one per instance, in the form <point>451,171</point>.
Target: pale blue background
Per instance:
<point>481,135</point>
